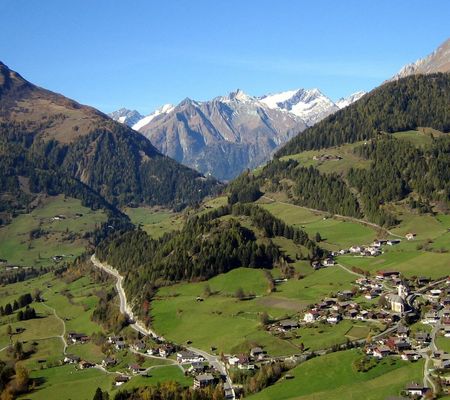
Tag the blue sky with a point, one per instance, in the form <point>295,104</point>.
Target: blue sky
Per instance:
<point>142,54</point>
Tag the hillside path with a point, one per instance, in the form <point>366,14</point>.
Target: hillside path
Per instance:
<point>63,335</point>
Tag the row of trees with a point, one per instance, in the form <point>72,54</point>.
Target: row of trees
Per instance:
<point>22,301</point>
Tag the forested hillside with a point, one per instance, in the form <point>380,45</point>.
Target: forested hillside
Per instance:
<point>61,146</point>
<point>415,101</point>
<point>207,245</point>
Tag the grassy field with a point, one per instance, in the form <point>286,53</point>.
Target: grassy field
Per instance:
<point>323,335</point>
<point>63,237</point>
<point>349,159</point>
<point>443,343</point>
<point>66,382</point>
<point>236,324</point>
<point>155,221</point>
<point>333,377</point>
<point>336,233</point>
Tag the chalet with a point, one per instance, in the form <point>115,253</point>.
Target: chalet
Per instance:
<point>355,249</point>
<point>138,345</point>
<point>288,324</point>
<point>85,365</point>
<point>257,352</point>
<point>414,389</point>
<point>422,338</point>
<point>316,265</point>
<point>343,251</point>
<point>402,331</point>
<point>108,362</point>
<point>422,280</point>
<point>189,357</point>
<point>71,359</point>
<point>328,262</point>
<point>431,317</point>
<point>135,368</point>
<point>310,316</point>
<point>387,274</point>
<point>435,292</point>
<point>381,351</point>
<point>334,318</point>
<point>352,313</point>
<point>410,355</point>
<point>345,294</point>
<point>120,380</point>
<point>120,345</point>
<point>114,339</point>
<point>410,236</point>
<point>197,367</point>
<point>165,350</point>
<point>203,380</point>
<point>152,351</point>
<point>240,361</point>
<point>77,337</point>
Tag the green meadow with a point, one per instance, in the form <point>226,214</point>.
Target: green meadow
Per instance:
<point>155,221</point>
<point>333,377</point>
<point>61,237</point>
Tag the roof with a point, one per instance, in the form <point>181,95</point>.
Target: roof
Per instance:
<point>204,377</point>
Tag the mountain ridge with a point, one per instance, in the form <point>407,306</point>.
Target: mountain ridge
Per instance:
<point>230,133</point>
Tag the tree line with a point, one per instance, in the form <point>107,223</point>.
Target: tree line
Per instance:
<point>405,104</point>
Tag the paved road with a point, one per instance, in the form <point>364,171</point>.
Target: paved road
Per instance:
<point>339,216</point>
<point>138,326</point>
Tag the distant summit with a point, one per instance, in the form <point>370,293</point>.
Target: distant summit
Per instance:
<point>437,61</point>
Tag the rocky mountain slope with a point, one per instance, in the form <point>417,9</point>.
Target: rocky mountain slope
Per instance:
<point>221,137</point>
<point>437,61</point>
<point>125,116</point>
<point>61,146</point>
<point>229,134</point>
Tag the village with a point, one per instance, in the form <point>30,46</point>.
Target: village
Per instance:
<point>408,313</point>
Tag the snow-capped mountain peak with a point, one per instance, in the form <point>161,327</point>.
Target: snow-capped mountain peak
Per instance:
<point>311,105</point>
<point>165,109</point>
<point>346,101</point>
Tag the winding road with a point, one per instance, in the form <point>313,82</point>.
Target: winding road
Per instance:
<point>139,327</point>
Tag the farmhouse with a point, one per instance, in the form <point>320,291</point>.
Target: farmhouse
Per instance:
<point>138,345</point>
<point>203,380</point>
<point>77,337</point>
<point>165,350</point>
<point>328,262</point>
<point>381,351</point>
<point>120,345</point>
<point>135,368</point>
<point>120,380</point>
<point>71,359</point>
<point>85,365</point>
<point>310,316</point>
<point>108,362</point>
<point>387,274</point>
<point>288,324</point>
<point>189,357</point>
<point>414,389</point>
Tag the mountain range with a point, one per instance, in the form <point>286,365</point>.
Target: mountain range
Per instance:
<point>228,134</point>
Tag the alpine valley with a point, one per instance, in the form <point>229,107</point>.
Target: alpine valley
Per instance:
<point>129,268</point>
